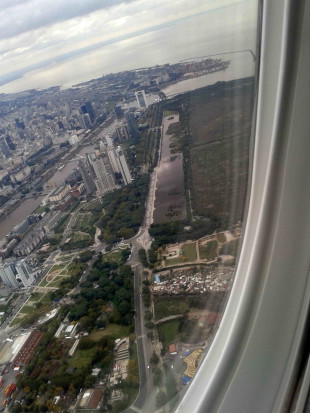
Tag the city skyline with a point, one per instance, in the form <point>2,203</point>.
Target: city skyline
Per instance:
<point>114,36</point>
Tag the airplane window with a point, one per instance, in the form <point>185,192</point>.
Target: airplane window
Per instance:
<point>125,150</point>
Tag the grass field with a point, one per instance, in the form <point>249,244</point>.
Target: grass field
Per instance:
<point>168,332</point>
<point>43,283</point>
<point>170,113</point>
<point>219,131</point>
<point>16,321</point>
<point>166,308</point>
<point>56,281</point>
<point>230,248</point>
<point>219,178</point>
<point>92,207</point>
<point>113,256</point>
<point>37,296</point>
<point>113,330</point>
<point>221,237</point>
<point>82,358</point>
<point>46,299</point>
<point>76,237</point>
<point>82,221</point>
<point>40,209</point>
<point>180,259</point>
<point>189,254</point>
<point>27,309</point>
<point>208,251</point>
<point>189,251</point>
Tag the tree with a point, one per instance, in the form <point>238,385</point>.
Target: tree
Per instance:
<point>89,380</point>
<point>148,315</point>
<point>157,379</point>
<point>86,343</point>
<point>154,358</point>
<point>133,372</point>
<point>86,323</point>
<point>143,257</point>
<point>150,334</point>
<point>100,323</point>
<point>161,398</point>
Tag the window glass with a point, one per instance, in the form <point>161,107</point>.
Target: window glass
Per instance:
<point>124,155</point>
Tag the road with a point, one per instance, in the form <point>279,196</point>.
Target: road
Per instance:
<point>146,399</point>
<point>143,402</point>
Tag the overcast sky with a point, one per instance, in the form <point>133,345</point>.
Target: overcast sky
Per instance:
<point>55,38</point>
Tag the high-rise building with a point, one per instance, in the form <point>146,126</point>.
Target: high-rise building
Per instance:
<point>122,132</point>
<point>86,121</point>
<point>132,127</point>
<point>87,177</point>
<point>9,143</point>
<point>124,170</point>
<point>118,111</point>
<point>87,108</point>
<point>17,274</point>
<point>20,124</point>
<point>110,151</point>
<point>8,275</point>
<point>141,99</point>
<point>104,175</point>
<point>4,148</point>
<point>118,161</point>
<point>24,273</point>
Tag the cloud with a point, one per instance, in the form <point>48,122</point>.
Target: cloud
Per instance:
<point>20,16</point>
<point>65,33</point>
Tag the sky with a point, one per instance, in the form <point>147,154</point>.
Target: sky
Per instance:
<point>55,42</point>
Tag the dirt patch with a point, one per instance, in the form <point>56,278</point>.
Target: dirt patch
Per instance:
<point>52,275</point>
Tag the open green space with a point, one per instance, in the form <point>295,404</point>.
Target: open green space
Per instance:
<point>170,113</point>
<point>209,250</point>
<point>112,256</point>
<point>188,254</point>
<point>92,206</point>
<point>189,250</point>
<point>83,222</point>
<point>113,330</point>
<point>37,296</point>
<point>16,321</point>
<point>83,358</point>
<point>40,209</point>
<point>180,259</point>
<point>215,127</point>
<point>56,281</point>
<point>124,211</point>
<point>62,224</point>
<point>27,309</point>
<point>230,248</point>
<point>221,237</point>
<point>65,260</point>
<point>168,332</point>
<point>166,308</point>
<point>45,299</point>
<point>76,237</point>
<point>43,283</point>
<point>56,267</point>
